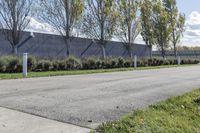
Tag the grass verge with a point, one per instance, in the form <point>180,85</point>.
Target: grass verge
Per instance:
<point>78,72</point>
<point>176,115</point>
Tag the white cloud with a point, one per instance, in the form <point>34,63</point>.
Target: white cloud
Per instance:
<point>36,26</point>
<point>192,33</point>
<point>39,27</point>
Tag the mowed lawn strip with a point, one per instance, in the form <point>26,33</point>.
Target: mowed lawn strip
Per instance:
<point>176,115</point>
<point>79,72</point>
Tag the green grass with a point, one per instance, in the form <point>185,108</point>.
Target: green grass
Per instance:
<point>176,115</point>
<point>78,72</point>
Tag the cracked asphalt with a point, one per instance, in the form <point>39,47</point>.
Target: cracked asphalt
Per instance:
<point>88,100</point>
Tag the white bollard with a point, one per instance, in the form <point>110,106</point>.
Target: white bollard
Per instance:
<point>25,63</point>
<point>135,61</point>
<point>179,60</point>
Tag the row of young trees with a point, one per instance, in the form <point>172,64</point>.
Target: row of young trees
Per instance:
<point>158,21</point>
<point>162,24</point>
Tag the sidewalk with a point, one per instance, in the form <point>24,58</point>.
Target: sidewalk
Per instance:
<point>16,122</point>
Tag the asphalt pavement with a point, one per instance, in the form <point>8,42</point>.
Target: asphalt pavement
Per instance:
<point>88,100</point>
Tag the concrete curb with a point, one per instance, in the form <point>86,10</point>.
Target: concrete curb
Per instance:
<point>17,122</point>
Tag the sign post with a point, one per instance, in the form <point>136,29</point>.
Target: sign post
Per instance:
<point>179,60</point>
<point>25,64</point>
<point>135,61</point>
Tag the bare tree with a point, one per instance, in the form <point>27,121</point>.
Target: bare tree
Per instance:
<point>99,21</point>
<point>129,25</point>
<point>63,15</point>
<point>13,16</point>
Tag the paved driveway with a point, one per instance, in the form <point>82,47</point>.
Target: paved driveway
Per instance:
<point>87,100</point>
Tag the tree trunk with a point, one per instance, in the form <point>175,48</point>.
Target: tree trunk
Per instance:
<point>163,52</point>
<point>130,51</point>
<point>103,51</point>
<point>130,54</point>
<point>14,50</point>
<point>67,47</point>
<point>67,52</point>
<point>174,43</point>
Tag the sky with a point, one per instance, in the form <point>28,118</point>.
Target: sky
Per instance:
<point>188,6</point>
<point>191,8</point>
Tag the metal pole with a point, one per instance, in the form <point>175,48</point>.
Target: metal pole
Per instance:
<point>179,60</point>
<point>25,62</point>
<point>135,61</point>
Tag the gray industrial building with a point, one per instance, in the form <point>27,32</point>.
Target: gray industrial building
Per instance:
<point>52,46</point>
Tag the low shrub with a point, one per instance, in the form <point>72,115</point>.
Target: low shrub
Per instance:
<point>166,62</point>
<point>48,65</point>
<point>114,63</point>
<point>171,62</point>
<point>11,64</point>
<point>32,62</point>
<point>151,62</point>
<point>128,63</point>
<point>175,62</point>
<point>196,62</point>
<point>121,62</point>
<point>3,64</point>
<point>110,63</point>
<point>40,66</point>
<point>183,61</point>
<point>146,63</point>
<point>155,62</point>
<point>89,63</point>
<point>73,63</point>
<point>44,65</point>
<point>160,62</point>
<point>61,65</point>
<point>14,64</point>
<point>55,65</point>
<point>139,63</point>
<point>99,64</point>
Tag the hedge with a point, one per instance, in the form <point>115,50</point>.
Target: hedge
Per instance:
<point>13,64</point>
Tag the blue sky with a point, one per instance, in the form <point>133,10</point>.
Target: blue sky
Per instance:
<point>188,6</point>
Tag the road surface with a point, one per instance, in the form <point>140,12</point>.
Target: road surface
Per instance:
<point>88,100</point>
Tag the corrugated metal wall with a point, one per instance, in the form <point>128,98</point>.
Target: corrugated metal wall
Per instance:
<point>47,45</point>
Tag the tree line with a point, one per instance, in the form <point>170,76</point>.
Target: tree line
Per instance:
<point>158,21</point>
